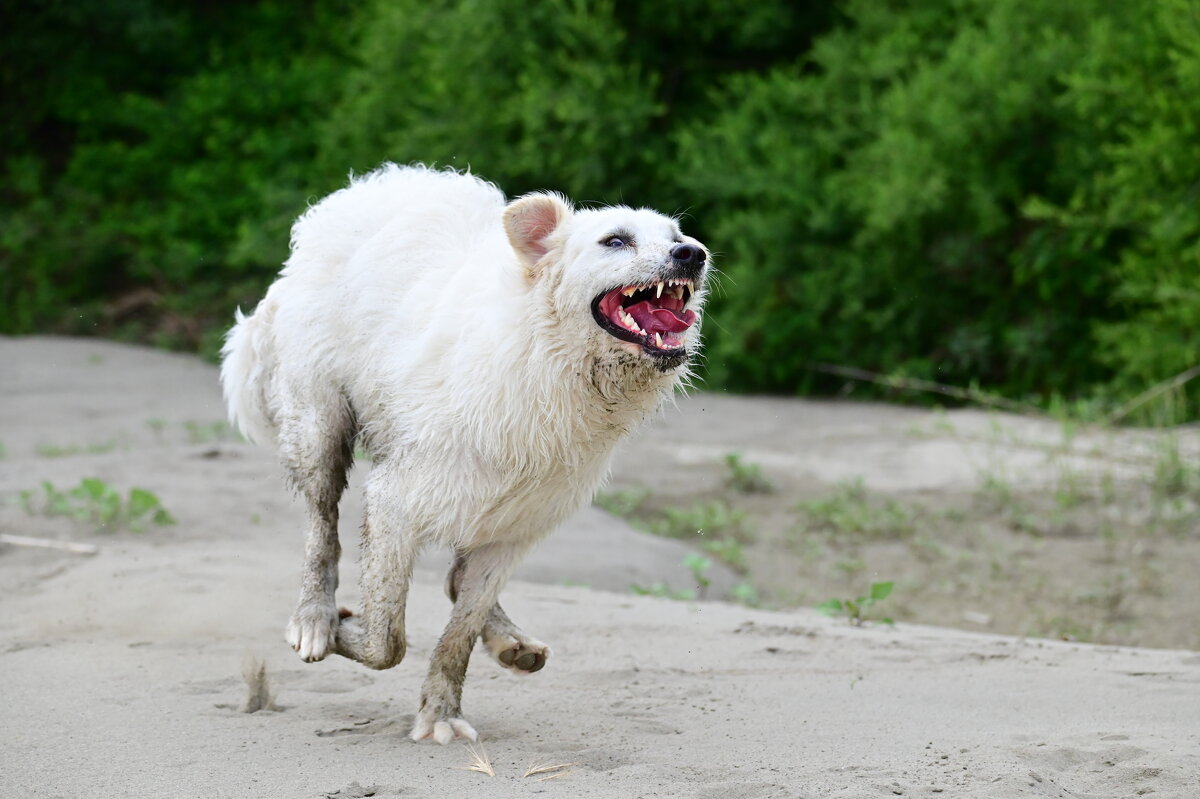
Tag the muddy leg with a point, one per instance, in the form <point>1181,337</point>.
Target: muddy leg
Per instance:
<point>484,572</point>
<point>317,448</point>
<point>375,637</point>
<point>510,646</point>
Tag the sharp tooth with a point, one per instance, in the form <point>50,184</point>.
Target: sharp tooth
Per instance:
<point>690,286</point>
<point>677,292</point>
<point>658,338</point>
<point>658,290</point>
<point>629,292</point>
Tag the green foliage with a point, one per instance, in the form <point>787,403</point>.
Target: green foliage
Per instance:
<point>208,432</point>
<point>745,478</point>
<point>1174,474</point>
<point>699,565</point>
<point>661,589</point>
<point>97,503</point>
<point>62,451</point>
<point>727,550</point>
<point>713,520</point>
<point>850,510</point>
<point>995,194</point>
<point>745,594</point>
<point>622,503</point>
<point>855,610</point>
<point>999,193</point>
<point>442,84</point>
<point>181,151</point>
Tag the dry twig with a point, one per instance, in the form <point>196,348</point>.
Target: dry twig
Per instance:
<point>929,386</point>
<point>1152,392</point>
<point>48,543</point>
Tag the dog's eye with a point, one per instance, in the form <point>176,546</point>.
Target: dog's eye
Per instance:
<point>614,242</point>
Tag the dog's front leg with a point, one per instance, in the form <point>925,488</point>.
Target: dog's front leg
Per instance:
<point>483,572</point>
<point>375,637</point>
<point>507,643</point>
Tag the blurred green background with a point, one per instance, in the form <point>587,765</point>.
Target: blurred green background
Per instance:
<point>995,194</point>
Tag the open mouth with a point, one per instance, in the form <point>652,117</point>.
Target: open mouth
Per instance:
<point>652,315</point>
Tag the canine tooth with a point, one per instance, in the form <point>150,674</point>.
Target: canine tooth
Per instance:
<point>658,290</point>
<point>629,292</point>
<point>658,338</point>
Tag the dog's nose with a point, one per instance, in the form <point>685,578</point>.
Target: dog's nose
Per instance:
<point>688,254</point>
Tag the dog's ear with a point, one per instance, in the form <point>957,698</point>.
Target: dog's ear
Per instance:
<point>529,221</point>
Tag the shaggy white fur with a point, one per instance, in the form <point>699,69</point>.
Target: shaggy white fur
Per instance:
<point>489,356</point>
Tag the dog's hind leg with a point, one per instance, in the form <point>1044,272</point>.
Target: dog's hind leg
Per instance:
<point>375,637</point>
<point>483,572</point>
<point>317,447</point>
<point>511,647</point>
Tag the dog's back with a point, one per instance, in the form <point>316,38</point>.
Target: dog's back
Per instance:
<point>360,254</point>
<point>442,206</point>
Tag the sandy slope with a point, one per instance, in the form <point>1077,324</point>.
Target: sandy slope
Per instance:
<point>122,670</point>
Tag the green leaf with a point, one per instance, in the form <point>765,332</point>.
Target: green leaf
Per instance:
<point>141,502</point>
<point>880,591</point>
<point>93,488</point>
<point>830,607</point>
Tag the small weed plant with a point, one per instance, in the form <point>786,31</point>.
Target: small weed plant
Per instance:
<point>96,502</point>
<point>1174,475</point>
<point>850,510</point>
<point>855,610</point>
<point>661,589</point>
<point>727,550</point>
<point>209,432</point>
<point>68,450</point>
<point>745,478</point>
<point>622,503</point>
<point>699,566</point>
<point>710,519</point>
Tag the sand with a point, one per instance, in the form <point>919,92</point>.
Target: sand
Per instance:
<point>122,671</point>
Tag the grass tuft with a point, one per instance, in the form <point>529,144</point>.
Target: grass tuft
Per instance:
<point>480,762</point>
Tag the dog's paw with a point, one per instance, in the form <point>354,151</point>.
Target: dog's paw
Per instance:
<point>441,727</point>
<point>518,655</point>
<point>312,630</point>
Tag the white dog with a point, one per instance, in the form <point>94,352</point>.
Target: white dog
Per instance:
<point>489,356</point>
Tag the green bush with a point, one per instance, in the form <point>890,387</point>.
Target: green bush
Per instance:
<point>964,191</point>
<point>170,190</point>
<point>990,193</point>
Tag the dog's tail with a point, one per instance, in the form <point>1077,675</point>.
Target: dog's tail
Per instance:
<point>246,361</point>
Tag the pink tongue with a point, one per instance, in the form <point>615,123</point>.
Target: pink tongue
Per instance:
<point>660,320</point>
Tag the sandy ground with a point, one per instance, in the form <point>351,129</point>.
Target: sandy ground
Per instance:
<point>122,671</point>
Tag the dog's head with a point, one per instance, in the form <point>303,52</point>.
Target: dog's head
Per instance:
<point>629,279</point>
